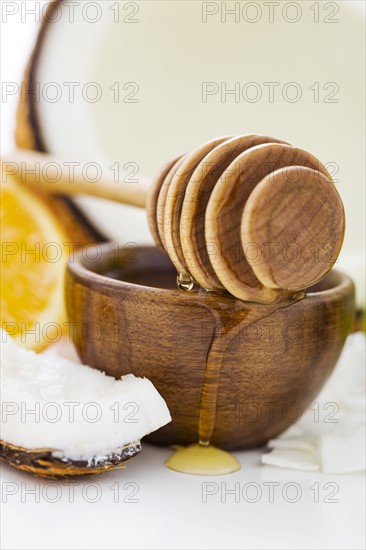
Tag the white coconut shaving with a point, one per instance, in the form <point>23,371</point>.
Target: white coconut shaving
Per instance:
<point>330,437</point>
<point>51,402</point>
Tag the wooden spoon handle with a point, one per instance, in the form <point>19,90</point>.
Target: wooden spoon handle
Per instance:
<point>47,173</point>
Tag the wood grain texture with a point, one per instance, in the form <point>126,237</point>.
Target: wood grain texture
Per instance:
<point>225,210</point>
<point>163,192</point>
<point>170,214</point>
<point>53,177</point>
<point>299,213</point>
<point>270,373</point>
<point>153,197</point>
<point>197,249</point>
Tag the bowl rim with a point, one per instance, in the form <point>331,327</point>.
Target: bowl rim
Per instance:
<point>85,271</point>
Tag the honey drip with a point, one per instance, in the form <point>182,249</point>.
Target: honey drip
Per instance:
<point>231,316</point>
<point>185,282</point>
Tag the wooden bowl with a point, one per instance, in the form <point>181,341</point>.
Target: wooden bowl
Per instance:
<point>127,316</point>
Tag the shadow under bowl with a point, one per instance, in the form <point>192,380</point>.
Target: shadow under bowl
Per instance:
<point>128,317</point>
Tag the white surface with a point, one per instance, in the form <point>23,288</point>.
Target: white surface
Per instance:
<point>272,508</point>
<point>170,512</point>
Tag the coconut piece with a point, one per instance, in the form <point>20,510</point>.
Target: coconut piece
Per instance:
<point>63,418</point>
<point>294,460</point>
<point>28,136</point>
<point>46,463</point>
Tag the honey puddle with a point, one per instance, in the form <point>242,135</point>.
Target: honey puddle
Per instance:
<point>232,316</point>
<point>203,460</point>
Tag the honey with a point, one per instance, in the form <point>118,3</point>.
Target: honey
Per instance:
<point>185,282</point>
<point>232,316</point>
<point>201,459</point>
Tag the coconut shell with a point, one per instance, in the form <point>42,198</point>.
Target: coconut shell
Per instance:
<point>28,136</point>
<point>41,462</point>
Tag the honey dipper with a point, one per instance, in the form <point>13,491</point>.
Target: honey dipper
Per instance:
<point>251,215</point>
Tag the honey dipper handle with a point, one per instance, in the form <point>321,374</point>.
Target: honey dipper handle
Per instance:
<point>47,173</point>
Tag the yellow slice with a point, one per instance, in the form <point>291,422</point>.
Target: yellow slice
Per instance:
<point>33,259</point>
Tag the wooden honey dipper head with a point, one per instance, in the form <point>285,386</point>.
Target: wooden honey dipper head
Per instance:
<point>250,215</point>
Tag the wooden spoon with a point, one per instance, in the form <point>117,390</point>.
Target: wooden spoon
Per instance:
<point>200,249</point>
<point>299,211</point>
<point>224,214</point>
<point>152,197</point>
<point>210,209</point>
<point>173,191</point>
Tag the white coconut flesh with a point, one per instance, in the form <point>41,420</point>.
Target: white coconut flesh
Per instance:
<point>79,412</point>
